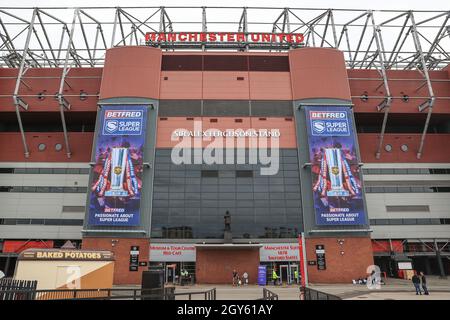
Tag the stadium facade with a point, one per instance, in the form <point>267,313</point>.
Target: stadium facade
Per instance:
<point>143,147</point>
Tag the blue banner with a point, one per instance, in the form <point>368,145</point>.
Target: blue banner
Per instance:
<point>115,193</point>
<point>262,275</point>
<point>338,197</point>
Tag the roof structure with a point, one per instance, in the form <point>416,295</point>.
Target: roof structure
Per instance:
<point>52,37</point>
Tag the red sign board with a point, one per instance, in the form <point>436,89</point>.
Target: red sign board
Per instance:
<point>19,246</point>
<point>230,37</point>
<point>384,246</point>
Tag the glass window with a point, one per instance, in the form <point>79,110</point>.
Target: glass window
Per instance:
<point>409,221</point>
<point>395,222</point>
<point>423,221</point>
<point>57,189</point>
<point>435,221</point>
<point>210,173</point>
<point>38,221</point>
<point>43,189</point>
<point>404,189</point>
<point>23,221</point>
<point>28,189</point>
<point>377,189</point>
<point>244,174</point>
<point>52,222</point>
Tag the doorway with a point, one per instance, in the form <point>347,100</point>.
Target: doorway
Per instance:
<point>171,276</point>
<point>293,268</point>
<point>287,273</point>
<point>284,273</point>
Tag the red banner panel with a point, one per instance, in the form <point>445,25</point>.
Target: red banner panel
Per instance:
<point>383,246</point>
<point>19,246</point>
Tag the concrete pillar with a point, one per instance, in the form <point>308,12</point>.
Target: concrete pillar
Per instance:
<point>439,260</point>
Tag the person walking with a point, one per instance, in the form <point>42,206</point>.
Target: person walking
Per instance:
<point>274,276</point>
<point>424,283</point>
<point>416,281</point>
<point>235,276</point>
<point>296,276</point>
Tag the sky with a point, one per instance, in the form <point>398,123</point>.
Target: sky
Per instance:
<point>189,20</point>
<point>346,4</point>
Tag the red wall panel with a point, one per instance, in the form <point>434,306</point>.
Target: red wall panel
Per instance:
<point>217,265</point>
<point>121,249</point>
<point>270,86</point>
<point>132,71</point>
<point>12,147</point>
<point>47,81</point>
<point>434,148</point>
<point>19,246</point>
<point>343,262</point>
<point>401,82</point>
<point>384,246</point>
<point>183,85</point>
<point>225,85</point>
<point>318,73</point>
<point>285,126</point>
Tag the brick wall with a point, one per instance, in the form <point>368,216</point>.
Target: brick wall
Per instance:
<point>340,268</point>
<point>121,248</point>
<point>216,265</point>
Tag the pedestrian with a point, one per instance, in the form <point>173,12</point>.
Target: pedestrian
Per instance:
<point>274,276</point>
<point>424,283</point>
<point>245,277</point>
<point>235,275</point>
<point>296,276</point>
<point>416,281</point>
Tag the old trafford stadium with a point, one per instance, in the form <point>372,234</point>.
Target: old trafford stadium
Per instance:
<point>275,146</point>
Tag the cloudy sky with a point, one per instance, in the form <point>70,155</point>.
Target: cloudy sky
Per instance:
<point>354,4</point>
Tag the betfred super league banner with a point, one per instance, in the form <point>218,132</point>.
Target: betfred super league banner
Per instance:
<point>117,175</point>
<point>336,185</point>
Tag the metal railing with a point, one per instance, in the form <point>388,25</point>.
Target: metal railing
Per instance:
<point>307,293</point>
<point>269,295</point>
<point>8,288</point>
<point>104,294</point>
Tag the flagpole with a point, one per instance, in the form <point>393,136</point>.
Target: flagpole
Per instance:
<point>302,257</point>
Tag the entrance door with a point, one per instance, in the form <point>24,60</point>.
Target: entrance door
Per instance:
<point>285,273</point>
<point>170,273</point>
<point>292,269</point>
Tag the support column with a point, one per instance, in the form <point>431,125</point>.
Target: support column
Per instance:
<point>439,260</point>
<point>8,259</point>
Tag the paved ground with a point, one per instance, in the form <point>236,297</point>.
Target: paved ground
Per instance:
<point>395,289</point>
<point>250,292</point>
